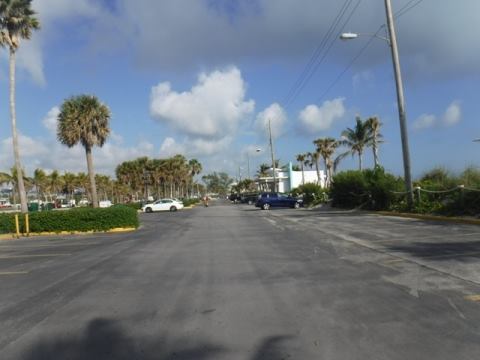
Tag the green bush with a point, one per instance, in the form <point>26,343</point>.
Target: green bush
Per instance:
<point>372,189</point>
<point>188,202</point>
<point>133,205</point>
<point>310,193</point>
<point>77,219</point>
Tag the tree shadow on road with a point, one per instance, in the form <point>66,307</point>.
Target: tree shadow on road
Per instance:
<point>460,251</point>
<point>105,339</point>
<point>273,348</point>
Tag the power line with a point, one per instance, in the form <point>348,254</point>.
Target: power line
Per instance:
<point>317,65</point>
<point>406,8</point>
<point>317,52</point>
<point>350,64</point>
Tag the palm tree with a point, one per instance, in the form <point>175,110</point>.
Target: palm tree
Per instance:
<point>195,169</point>
<point>374,125</point>
<point>301,159</point>
<point>326,148</point>
<point>84,119</point>
<point>356,139</point>
<point>17,21</point>
<point>39,180</point>
<point>313,160</point>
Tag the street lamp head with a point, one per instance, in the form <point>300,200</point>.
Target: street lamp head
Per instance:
<point>348,36</point>
<point>258,150</point>
<point>476,140</point>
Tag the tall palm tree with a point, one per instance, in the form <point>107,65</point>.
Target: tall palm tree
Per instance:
<point>313,158</point>
<point>195,169</point>
<point>301,159</point>
<point>17,21</point>
<point>326,148</point>
<point>374,125</point>
<point>39,180</point>
<point>356,139</point>
<point>84,119</point>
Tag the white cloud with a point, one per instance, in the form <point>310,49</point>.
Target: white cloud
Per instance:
<point>50,14</point>
<point>315,119</point>
<point>50,120</point>
<point>424,121</point>
<point>47,153</point>
<point>213,108</point>
<point>170,148</point>
<point>451,117</point>
<point>277,117</point>
<point>453,114</point>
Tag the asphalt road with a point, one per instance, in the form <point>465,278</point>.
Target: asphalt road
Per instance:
<point>232,282</point>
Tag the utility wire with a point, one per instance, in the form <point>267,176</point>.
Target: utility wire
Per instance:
<point>294,89</point>
<point>406,8</point>
<point>317,65</point>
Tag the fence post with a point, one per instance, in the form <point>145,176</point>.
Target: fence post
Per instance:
<point>419,198</point>
<point>462,195</point>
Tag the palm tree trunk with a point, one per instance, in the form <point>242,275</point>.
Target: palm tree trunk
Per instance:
<point>318,171</point>
<point>91,175</point>
<point>360,160</point>
<point>375,153</point>
<point>16,151</point>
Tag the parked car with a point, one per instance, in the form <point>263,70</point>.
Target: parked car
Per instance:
<point>248,198</point>
<point>272,199</point>
<point>163,205</point>
<point>104,203</point>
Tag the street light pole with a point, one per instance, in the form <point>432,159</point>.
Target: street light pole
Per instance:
<point>401,103</point>
<point>273,157</point>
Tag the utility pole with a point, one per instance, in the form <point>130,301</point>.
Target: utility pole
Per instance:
<point>401,103</point>
<point>273,157</point>
<point>248,166</point>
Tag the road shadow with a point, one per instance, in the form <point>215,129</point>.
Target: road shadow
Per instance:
<point>104,339</point>
<point>460,251</point>
<point>273,348</point>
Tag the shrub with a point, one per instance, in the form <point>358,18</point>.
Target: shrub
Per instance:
<point>374,189</point>
<point>349,189</point>
<point>188,202</point>
<point>133,205</point>
<point>77,219</point>
<point>311,193</point>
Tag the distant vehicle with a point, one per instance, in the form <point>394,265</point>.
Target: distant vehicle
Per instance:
<point>248,198</point>
<point>163,205</point>
<point>5,203</point>
<point>268,200</point>
<point>105,204</point>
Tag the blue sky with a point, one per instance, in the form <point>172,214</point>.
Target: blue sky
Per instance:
<point>201,78</point>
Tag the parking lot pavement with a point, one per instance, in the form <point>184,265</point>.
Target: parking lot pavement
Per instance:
<point>409,245</point>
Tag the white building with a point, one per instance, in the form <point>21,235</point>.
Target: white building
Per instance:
<point>287,180</point>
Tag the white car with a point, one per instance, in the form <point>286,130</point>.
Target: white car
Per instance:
<point>163,205</point>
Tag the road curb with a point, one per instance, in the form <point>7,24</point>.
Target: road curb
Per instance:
<point>63,233</point>
<point>430,217</point>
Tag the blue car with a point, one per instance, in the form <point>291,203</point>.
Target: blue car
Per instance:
<point>268,200</point>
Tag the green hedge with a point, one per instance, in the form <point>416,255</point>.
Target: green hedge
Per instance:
<point>373,189</point>
<point>188,202</point>
<point>77,219</point>
<point>310,193</point>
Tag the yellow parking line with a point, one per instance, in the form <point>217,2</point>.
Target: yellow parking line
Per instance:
<point>5,273</point>
<point>31,256</point>
<point>473,298</point>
